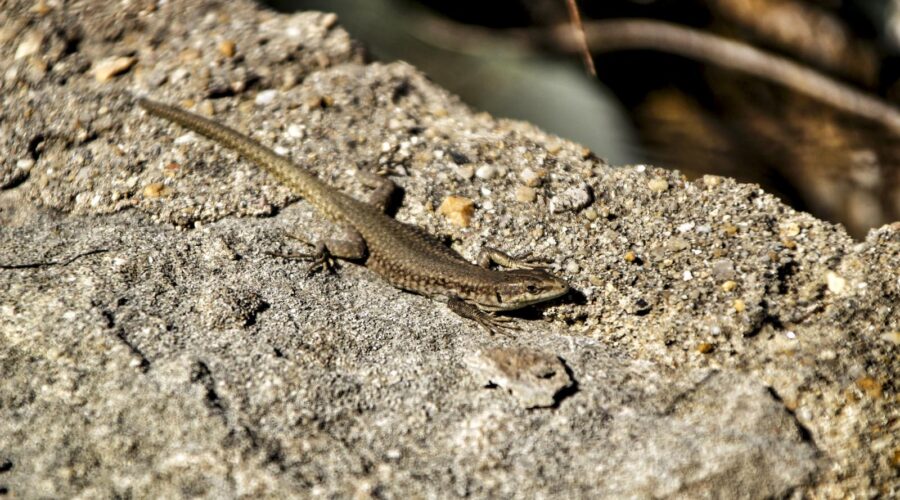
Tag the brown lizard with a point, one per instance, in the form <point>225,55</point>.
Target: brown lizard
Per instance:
<point>403,255</point>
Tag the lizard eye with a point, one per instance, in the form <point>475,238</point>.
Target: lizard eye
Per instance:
<point>531,289</point>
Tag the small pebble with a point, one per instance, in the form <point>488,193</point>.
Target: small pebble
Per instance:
<point>572,267</point>
<point>155,190</point>
<point>266,97</point>
<point>183,139</point>
<point>525,194</point>
<point>687,276</point>
<point>658,185</point>
<point>827,355</point>
<point>630,256</point>
<point>705,348</point>
<point>30,45</point>
<point>486,172</point>
<point>295,131</point>
<point>206,108</point>
<point>892,337</point>
<point>190,54</point>
<point>722,269</point>
<point>179,74</point>
<point>711,181</point>
<point>465,172</point>
<point>227,48</point>
<point>532,178</point>
<point>836,284</point>
<point>41,8</point>
<point>872,387</point>
<point>739,305</point>
<point>458,210</point>
<point>572,199</point>
<point>683,228</point>
<point>677,244</point>
<point>789,229</point>
<point>729,286</point>
<point>106,69</point>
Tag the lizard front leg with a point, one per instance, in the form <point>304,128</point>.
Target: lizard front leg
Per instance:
<point>490,255</point>
<point>492,323</point>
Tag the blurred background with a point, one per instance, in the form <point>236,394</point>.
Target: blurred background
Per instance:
<point>799,96</point>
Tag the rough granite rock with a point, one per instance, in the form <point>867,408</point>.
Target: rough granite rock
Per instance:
<point>154,344</point>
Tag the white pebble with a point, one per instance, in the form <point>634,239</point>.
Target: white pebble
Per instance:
<point>465,172</point>
<point>266,97</point>
<point>30,45</point>
<point>181,140</point>
<point>485,172</point>
<point>836,284</point>
<point>572,199</point>
<point>530,177</point>
<point>295,131</point>
<point>178,75</point>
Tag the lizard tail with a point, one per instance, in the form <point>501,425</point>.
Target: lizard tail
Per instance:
<point>294,176</point>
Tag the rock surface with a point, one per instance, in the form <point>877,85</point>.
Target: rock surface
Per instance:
<point>153,344</point>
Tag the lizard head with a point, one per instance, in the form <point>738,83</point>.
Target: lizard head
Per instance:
<point>523,287</point>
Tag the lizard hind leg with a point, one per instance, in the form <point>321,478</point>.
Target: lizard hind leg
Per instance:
<point>348,246</point>
<point>383,189</point>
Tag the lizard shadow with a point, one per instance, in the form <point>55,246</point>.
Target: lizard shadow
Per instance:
<point>535,312</point>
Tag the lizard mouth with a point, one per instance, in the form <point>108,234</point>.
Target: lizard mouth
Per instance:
<point>501,305</point>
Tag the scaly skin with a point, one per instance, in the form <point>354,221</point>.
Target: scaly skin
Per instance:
<point>403,255</point>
